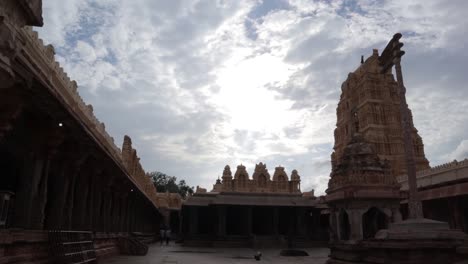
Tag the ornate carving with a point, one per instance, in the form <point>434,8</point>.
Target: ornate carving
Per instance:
<point>132,164</point>
<point>369,105</point>
<point>260,181</point>
<point>360,165</point>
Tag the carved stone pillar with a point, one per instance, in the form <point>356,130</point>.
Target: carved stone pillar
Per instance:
<point>39,192</point>
<point>355,220</point>
<point>58,187</point>
<point>73,173</point>
<point>81,199</point>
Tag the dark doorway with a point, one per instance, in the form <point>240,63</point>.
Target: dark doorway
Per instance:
<point>206,220</point>
<point>262,220</point>
<point>235,221</point>
<point>174,221</point>
<point>373,221</point>
<point>285,220</point>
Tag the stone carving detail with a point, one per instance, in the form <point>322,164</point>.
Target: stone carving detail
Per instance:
<point>169,200</point>
<point>131,162</point>
<point>260,181</point>
<point>369,104</point>
<point>360,165</point>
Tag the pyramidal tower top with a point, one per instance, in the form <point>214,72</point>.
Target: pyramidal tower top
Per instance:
<point>370,105</point>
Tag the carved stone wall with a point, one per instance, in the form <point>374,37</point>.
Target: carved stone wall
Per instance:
<point>132,163</point>
<point>369,104</point>
<point>260,182</point>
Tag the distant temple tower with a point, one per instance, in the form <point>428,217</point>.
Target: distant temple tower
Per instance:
<point>369,105</point>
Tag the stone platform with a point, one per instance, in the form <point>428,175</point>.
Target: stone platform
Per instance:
<point>176,254</point>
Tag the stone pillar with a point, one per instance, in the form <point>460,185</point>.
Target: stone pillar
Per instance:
<point>72,174</point>
<point>23,197</point>
<point>221,212</point>
<point>355,220</point>
<point>193,221</point>
<point>249,220</point>
<point>275,221</point>
<point>82,191</point>
<point>39,195</point>
<point>97,203</point>
<point>333,230</point>
<point>91,202</point>
<point>128,212</point>
<point>456,215</point>
<point>59,188</point>
<point>300,223</point>
<point>106,212</point>
<point>123,211</point>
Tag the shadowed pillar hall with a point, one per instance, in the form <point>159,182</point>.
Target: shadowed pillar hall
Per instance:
<point>61,171</point>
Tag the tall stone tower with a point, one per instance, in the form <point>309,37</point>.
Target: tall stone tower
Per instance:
<point>369,105</point>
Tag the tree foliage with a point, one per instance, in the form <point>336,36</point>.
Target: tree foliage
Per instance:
<point>164,182</point>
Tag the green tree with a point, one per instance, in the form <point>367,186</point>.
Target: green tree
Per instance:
<point>164,182</point>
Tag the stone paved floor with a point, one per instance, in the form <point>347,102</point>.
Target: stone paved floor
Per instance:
<point>173,254</point>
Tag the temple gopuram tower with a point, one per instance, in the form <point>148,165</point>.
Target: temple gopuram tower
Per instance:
<point>369,105</point>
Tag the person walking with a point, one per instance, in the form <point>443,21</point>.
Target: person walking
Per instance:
<point>162,233</point>
<point>168,235</point>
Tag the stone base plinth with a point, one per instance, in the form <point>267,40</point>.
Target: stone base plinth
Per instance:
<point>407,242</point>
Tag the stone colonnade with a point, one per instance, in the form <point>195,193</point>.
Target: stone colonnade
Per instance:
<point>58,166</point>
<point>244,222</point>
<point>60,177</point>
<point>360,222</point>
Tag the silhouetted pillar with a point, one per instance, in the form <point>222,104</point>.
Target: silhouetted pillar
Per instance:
<point>107,204</point>
<point>300,223</point>
<point>355,219</point>
<point>221,221</point>
<point>40,194</point>
<point>193,220</point>
<point>23,199</point>
<point>123,211</point>
<point>456,216</point>
<point>72,173</point>
<point>275,221</point>
<point>97,202</point>
<point>81,200</point>
<point>249,221</point>
<point>58,189</point>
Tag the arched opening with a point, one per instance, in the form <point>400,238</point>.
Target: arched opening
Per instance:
<point>372,221</point>
<point>345,227</point>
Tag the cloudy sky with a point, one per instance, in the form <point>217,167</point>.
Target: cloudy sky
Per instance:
<point>201,84</point>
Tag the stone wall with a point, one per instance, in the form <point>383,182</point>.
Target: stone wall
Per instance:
<point>438,175</point>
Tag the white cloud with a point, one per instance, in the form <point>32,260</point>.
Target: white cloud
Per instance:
<point>461,152</point>
<point>200,84</point>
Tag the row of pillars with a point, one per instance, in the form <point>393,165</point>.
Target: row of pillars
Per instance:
<point>247,221</point>
<point>61,180</point>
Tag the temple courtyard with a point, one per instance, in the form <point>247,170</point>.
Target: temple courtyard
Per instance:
<point>176,254</point>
